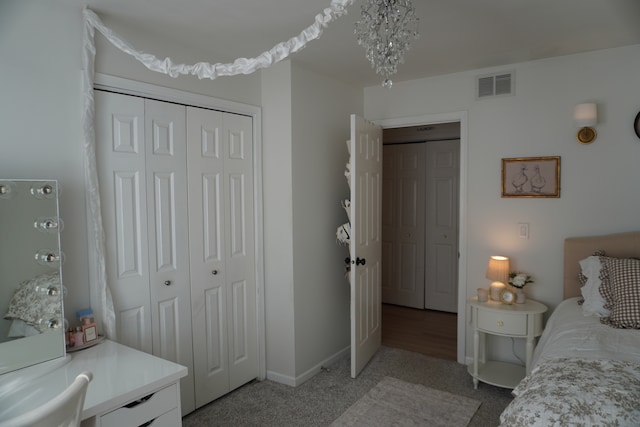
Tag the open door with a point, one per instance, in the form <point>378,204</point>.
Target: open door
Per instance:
<point>365,248</point>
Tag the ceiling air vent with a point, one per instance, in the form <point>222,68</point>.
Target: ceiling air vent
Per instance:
<point>494,85</point>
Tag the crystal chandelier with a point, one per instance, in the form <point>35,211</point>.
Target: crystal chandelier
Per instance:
<point>385,31</point>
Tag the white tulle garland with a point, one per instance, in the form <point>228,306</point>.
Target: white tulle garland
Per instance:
<point>101,298</point>
<point>100,293</point>
<point>239,66</point>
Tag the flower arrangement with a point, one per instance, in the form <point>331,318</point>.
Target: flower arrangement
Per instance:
<point>519,280</point>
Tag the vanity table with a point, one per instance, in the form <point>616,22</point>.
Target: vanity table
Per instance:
<point>129,387</point>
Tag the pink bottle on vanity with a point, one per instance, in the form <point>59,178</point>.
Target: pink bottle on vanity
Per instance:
<point>78,337</point>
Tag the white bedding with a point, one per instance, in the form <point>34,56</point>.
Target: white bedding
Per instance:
<point>584,374</point>
<point>569,333</point>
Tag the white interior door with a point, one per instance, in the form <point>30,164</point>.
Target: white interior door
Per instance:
<point>403,227</point>
<point>441,281</point>
<point>366,241</point>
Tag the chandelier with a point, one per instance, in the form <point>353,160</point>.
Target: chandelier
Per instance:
<point>385,30</point>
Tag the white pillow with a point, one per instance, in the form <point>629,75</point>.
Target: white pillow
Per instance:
<point>593,301</point>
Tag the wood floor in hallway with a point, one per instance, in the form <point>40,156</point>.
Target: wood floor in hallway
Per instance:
<point>429,332</point>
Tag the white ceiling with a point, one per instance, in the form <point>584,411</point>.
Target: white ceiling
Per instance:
<point>455,35</point>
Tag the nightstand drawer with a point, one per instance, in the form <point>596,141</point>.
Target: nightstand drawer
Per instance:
<point>502,323</point>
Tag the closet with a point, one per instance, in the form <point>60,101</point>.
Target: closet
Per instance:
<point>176,186</point>
<point>420,216</point>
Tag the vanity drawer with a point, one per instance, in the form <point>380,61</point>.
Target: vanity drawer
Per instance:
<point>502,323</point>
<point>170,419</point>
<point>157,406</point>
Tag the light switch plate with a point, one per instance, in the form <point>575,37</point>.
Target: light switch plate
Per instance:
<point>523,230</point>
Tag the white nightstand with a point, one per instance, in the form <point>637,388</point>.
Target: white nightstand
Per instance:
<point>510,320</point>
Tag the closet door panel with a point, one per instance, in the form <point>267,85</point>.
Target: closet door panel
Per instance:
<point>212,217</point>
<point>169,280</point>
<point>216,348</point>
<point>240,348</point>
<point>119,123</point>
<point>403,228</point>
<point>214,375</point>
<point>441,291</point>
<point>206,223</point>
<point>136,331</point>
<point>239,248</point>
<point>129,244</point>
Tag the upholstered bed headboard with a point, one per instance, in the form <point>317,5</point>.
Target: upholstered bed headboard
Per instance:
<point>620,245</point>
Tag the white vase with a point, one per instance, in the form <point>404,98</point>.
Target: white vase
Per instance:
<point>521,297</point>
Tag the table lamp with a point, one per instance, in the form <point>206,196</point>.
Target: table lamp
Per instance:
<point>498,272</point>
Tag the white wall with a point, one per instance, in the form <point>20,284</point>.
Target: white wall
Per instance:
<point>321,127</point>
<point>599,182</point>
<point>278,222</point>
<point>306,124</point>
<point>40,109</point>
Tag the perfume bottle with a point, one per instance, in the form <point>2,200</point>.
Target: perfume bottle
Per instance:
<point>88,325</point>
<point>78,337</point>
<point>69,337</point>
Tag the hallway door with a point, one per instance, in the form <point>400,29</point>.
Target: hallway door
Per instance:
<point>365,248</point>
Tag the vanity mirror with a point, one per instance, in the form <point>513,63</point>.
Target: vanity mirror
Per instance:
<point>31,312</point>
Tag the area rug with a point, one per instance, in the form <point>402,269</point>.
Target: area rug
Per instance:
<point>393,402</point>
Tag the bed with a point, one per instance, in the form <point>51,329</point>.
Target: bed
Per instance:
<point>586,367</point>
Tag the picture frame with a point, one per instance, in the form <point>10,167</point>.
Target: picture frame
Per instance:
<point>531,177</point>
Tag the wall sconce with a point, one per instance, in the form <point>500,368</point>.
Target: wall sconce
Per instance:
<point>498,272</point>
<point>585,116</point>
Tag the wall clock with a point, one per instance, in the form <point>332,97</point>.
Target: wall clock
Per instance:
<point>636,125</point>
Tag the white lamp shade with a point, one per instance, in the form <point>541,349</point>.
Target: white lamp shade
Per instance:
<point>585,115</point>
<point>498,269</point>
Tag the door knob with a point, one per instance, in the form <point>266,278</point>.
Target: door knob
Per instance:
<point>214,272</point>
<point>360,261</point>
<point>167,282</point>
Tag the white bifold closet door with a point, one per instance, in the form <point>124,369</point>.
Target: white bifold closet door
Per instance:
<point>177,202</point>
<point>221,230</point>
<point>141,150</point>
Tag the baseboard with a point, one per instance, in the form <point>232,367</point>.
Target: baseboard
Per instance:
<point>305,376</point>
<point>282,379</point>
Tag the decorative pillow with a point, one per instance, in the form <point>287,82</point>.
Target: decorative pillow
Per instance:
<point>582,279</point>
<point>594,302</point>
<point>621,289</point>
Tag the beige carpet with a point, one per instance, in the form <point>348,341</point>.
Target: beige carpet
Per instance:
<point>393,402</point>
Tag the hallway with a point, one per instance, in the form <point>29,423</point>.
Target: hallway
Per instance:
<point>429,332</point>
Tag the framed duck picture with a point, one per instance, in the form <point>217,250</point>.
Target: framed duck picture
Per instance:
<point>531,177</point>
